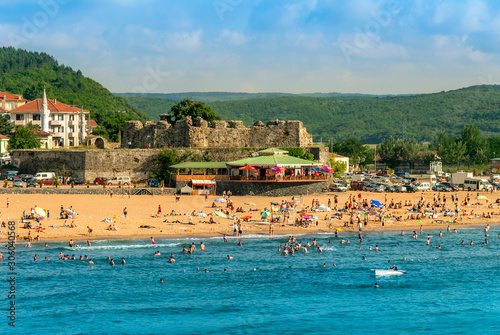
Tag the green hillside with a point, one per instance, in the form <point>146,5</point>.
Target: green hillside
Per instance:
<point>152,106</point>
<point>370,119</point>
<point>373,119</point>
<point>25,72</point>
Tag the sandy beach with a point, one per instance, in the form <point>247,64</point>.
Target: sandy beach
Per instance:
<point>142,211</point>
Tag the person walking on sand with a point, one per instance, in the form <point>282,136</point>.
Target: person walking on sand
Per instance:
<point>159,209</point>
<point>8,202</point>
<point>125,212</point>
<point>110,193</point>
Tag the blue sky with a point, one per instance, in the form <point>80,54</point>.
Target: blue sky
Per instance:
<point>296,46</point>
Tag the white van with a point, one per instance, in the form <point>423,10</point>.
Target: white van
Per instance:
<point>120,180</point>
<point>424,187</point>
<point>45,175</point>
<point>476,184</point>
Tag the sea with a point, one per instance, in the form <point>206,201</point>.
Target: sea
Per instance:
<point>452,290</point>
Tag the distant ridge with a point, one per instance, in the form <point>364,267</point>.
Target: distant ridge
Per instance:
<point>366,117</point>
<point>232,96</point>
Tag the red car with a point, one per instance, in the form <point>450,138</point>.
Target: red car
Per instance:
<point>48,181</point>
<point>100,181</point>
<point>383,173</point>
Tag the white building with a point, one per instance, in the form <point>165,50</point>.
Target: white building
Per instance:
<point>67,124</point>
<point>342,159</point>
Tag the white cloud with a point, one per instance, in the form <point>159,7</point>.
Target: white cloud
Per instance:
<point>297,10</point>
<point>234,37</point>
<point>185,41</point>
<point>454,49</point>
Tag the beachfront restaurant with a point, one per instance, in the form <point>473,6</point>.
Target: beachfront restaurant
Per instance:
<point>274,165</point>
<point>200,176</point>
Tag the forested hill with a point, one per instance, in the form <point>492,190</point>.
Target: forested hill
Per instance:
<point>25,72</point>
<point>370,119</point>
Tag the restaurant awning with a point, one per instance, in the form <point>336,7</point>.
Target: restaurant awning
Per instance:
<point>198,182</point>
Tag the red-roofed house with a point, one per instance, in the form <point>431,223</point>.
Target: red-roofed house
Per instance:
<point>9,101</point>
<point>91,124</point>
<point>67,124</point>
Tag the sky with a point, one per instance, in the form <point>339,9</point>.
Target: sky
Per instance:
<point>293,46</point>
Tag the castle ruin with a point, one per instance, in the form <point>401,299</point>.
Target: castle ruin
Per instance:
<point>198,133</point>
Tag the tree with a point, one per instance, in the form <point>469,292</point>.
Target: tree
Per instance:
<point>24,138</point>
<point>476,147</point>
<point>167,158</point>
<point>193,108</point>
<point>353,148</point>
<point>5,126</point>
<point>337,166</point>
<point>101,131</point>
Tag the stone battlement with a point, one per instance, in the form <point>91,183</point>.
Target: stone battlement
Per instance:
<point>198,133</point>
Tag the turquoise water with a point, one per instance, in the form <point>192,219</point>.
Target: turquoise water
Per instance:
<point>454,290</point>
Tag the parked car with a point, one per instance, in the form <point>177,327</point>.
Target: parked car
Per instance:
<point>120,180</point>
<point>25,177</point>
<point>399,188</point>
<point>153,183</point>
<point>411,188</point>
<point>18,183</point>
<point>9,175</point>
<point>48,181</point>
<point>336,187</point>
<point>76,182</point>
<point>390,188</point>
<point>358,185</point>
<point>100,181</point>
<point>397,179</point>
<point>403,174</point>
<point>424,186</point>
<point>384,173</point>
<point>374,188</point>
<point>31,183</point>
<point>441,188</point>
<point>452,186</point>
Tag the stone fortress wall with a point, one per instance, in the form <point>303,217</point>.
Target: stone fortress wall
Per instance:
<point>199,133</point>
<point>135,163</point>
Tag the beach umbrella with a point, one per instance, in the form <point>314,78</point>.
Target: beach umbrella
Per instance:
<point>327,169</point>
<point>375,203</point>
<point>249,203</point>
<point>201,214</point>
<point>220,200</point>
<point>479,197</point>
<point>222,215</point>
<point>246,217</point>
<point>39,211</point>
<point>265,214</point>
<point>338,229</point>
<point>277,169</point>
<point>274,203</point>
<point>305,216</point>
<point>247,168</point>
<point>315,217</point>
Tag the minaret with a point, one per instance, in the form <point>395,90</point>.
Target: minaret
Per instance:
<point>45,112</point>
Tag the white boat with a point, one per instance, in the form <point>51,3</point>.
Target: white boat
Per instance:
<point>379,272</point>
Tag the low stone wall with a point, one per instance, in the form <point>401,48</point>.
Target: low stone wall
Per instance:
<point>281,189</point>
<point>135,163</point>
